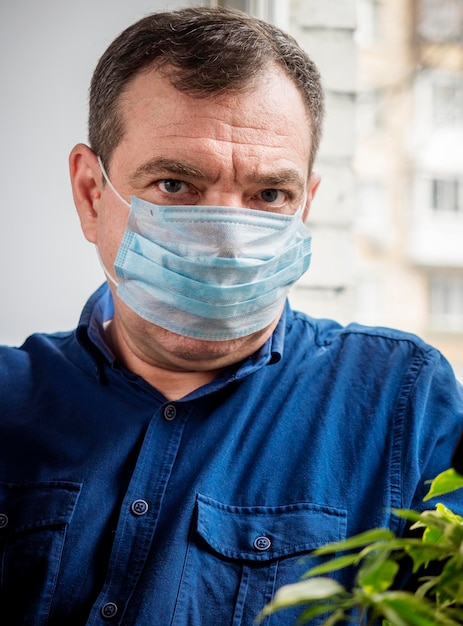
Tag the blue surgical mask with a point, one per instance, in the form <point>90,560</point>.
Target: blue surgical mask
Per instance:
<point>208,272</point>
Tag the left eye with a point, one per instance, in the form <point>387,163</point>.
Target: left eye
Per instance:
<point>273,196</point>
<point>171,185</point>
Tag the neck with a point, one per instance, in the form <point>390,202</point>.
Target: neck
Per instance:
<point>173,364</point>
<point>174,383</point>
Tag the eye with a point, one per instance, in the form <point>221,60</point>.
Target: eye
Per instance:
<point>171,185</point>
<point>273,196</point>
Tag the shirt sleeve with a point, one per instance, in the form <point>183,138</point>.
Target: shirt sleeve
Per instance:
<point>435,408</point>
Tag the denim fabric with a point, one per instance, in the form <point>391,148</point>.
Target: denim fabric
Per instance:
<point>120,507</point>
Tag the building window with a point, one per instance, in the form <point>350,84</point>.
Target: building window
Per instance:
<point>367,22</point>
<point>447,195</point>
<point>371,202</point>
<point>447,102</point>
<point>440,20</point>
<point>446,303</point>
<point>241,5</point>
<point>369,112</point>
<point>372,216</point>
<point>272,11</point>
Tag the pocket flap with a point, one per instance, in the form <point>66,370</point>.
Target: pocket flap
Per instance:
<point>24,506</point>
<point>262,533</point>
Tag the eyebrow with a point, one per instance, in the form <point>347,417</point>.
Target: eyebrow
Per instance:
<point>281,177</point>
<point>163,166</point>
<point>158,166</point>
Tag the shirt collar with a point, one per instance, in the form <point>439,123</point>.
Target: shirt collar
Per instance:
<point>271,352</point>
<point>90,331</point>
<point>100,309</point>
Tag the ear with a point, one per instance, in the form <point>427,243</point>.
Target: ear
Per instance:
<point>86,181</point>
<point>312,187</point>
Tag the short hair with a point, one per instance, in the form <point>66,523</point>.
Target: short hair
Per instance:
<point>205,52</point>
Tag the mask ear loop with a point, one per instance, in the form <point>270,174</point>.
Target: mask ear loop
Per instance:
<point>300,211</point>
<point>103,267</point>
<point>111,186</point>
<point>118,195</point>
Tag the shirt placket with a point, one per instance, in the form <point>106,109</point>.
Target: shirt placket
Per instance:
<point>140,512</point>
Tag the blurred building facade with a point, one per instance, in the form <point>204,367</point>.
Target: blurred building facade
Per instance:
<point>408,224</point>
<point>387,222</point>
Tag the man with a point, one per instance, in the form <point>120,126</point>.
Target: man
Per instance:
<point>175,459</point>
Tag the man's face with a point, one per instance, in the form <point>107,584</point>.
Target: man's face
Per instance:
<point>248,150</point>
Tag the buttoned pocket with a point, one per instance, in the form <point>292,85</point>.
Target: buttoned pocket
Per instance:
<point>33,522</point>
<point>246,553</point>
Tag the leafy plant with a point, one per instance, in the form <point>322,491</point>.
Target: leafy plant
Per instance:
<point>376,555</point>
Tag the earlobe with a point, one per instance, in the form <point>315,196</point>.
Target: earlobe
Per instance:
<point>86,181</point>
<point>312,187</point>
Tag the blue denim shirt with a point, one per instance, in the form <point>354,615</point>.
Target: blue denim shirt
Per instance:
<point>120,507</point>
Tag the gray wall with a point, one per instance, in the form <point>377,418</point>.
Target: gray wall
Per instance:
<point>48,50</point>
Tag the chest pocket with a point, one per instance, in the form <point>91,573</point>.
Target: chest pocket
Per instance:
<point>33,522</point>
<point>246,553</point>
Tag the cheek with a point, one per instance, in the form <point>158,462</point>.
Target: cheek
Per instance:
<point>111,228</point>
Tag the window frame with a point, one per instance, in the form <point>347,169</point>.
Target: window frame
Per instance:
<point>440,21</point>
<point>446,302</point>
<point>273,11</point>
<point>446,195</point>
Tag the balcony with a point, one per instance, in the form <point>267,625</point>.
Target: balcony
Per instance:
<point>436,240</point>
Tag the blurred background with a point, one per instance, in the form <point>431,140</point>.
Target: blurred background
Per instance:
<point>387,222</point>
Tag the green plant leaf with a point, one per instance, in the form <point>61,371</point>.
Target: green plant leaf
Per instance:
<point>357,541</point>
<point>301,593</point>
<point>447,514</point>
<point>405,609</point>
<point>337,615</point>
<point>428,583</point>
<point>437,599</point>
<point>332,565</point>
<point>450,582</point>
<point>412,516</point>
<point>377,576</point>
<point>335,618</point>
<point>423,554</point>
<point>444,482</point>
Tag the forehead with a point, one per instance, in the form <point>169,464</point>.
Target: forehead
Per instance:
<point>269,119</point>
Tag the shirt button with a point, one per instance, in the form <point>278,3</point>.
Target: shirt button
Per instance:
<point>139,507</point>
<point>3,520</point>
<point>109,610</point>
<point>262,543</point>
<point>170,412</point>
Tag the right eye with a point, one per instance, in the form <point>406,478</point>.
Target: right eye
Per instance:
<point>172,186</point>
